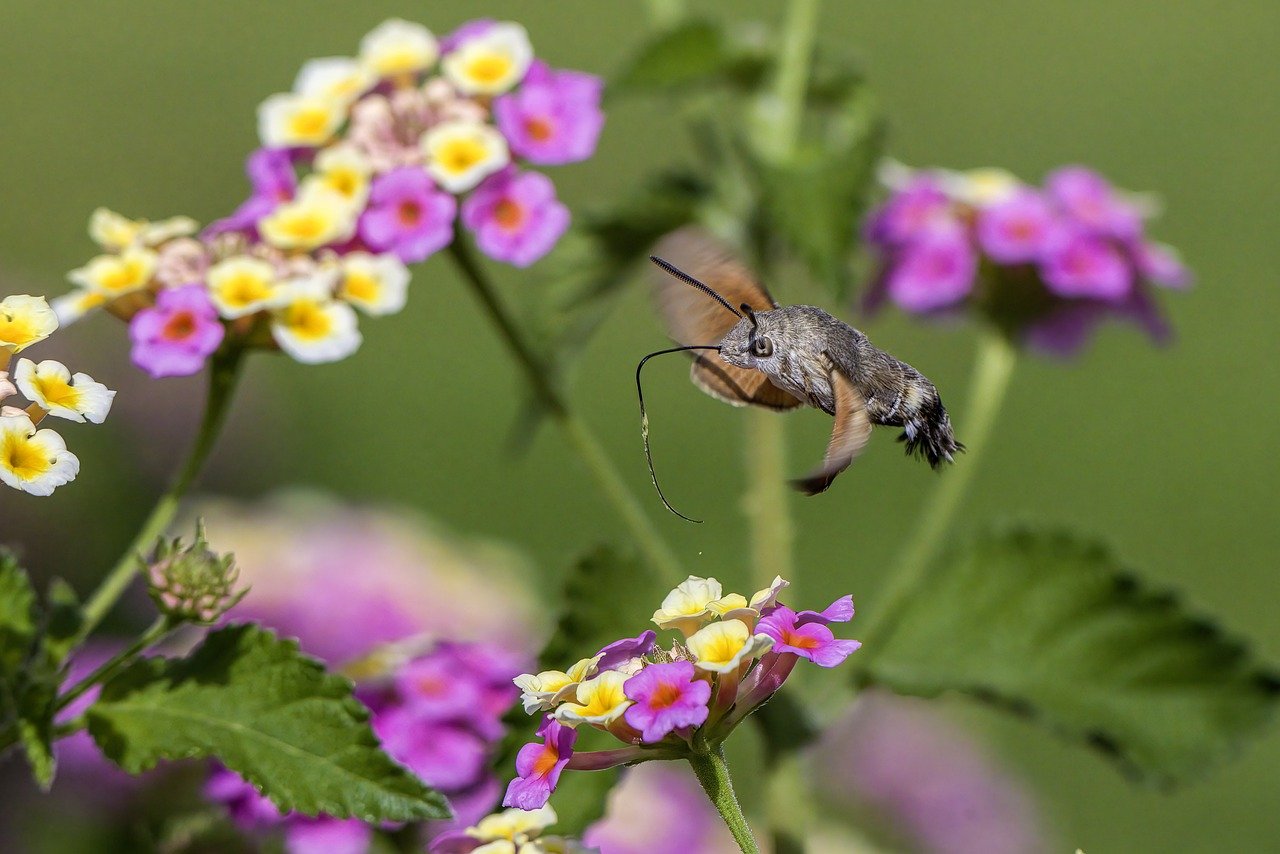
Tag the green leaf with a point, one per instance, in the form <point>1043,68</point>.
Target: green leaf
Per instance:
<point>35,730</point>
<point>1051,627</point>
<point>63,619</point>
<point>693,52</point>
<point>266,711</point>
<point>18,617</point>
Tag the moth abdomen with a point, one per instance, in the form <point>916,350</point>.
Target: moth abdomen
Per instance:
<point>926,431</point>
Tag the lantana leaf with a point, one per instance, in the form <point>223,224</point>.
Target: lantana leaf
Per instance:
<point>1051,627</point>
<point>28,675</point>
<point>688,54</point>
<point>268,712</point>
<point>18,617</point>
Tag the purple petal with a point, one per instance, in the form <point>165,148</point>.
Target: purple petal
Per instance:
<point>622,651</point>
<point>839,611</point>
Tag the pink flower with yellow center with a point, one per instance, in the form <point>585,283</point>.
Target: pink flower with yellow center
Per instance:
<point>516,217</point>
<point>667,698</point>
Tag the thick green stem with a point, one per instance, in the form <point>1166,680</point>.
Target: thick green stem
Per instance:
<point>584,442</point>
<point>992,370</point>
<point>783,108</point>
<point>713,773</point>
<point>224,371</point>
<point>767,501</point>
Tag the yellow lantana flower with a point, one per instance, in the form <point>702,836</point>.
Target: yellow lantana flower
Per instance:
<point>375,284</point>
<point>313,327</point>
<point>317,217</point>
<point>724,646</point>
<point>460,154</point>
<point>116,275</point>
<point>600,701</point>
<point>288,119</point>
<point>242,285</point>
<point>694,602</point>
<point>396,47</point>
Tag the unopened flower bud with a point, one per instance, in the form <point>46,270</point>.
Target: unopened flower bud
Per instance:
<point>192,583</point>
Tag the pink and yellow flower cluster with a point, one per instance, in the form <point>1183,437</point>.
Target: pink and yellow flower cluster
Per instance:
<point>36,461</point>
<point>1047,263</point>
<point>370,163</point>
<point>734,654</point>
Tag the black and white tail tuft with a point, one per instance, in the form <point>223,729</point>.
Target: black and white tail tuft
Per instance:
<point>928,433</point>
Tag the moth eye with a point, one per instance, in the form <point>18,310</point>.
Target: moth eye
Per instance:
<point>762,347</point>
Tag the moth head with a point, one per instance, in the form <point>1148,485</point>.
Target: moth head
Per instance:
<point>753,342</point>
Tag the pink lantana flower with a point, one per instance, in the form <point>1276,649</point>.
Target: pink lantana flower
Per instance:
<point>539,765</point>
<point>554,117</point>
<point>515,216</point>
<point>407,215</point>
<point>1080,264</point>
<point>1090,200</point>
<point>667,698</point>
<point>934,271</point>
<point>1017,229</point>
<point>173,338</point>
<point>811,640</point>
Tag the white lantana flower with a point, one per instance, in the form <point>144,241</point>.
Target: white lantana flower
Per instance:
<point>317,217</point>
<point>51,385</point>
<point>694,602</point>
<point>398,47</point>
<point>242,285</point>
<point>117,275</point>
<point>375,284</point>
<point>461,154</point>
<point>337,79</point>
<point>311,326</point>
<point>34,461</point>
<point>288,119</point>
<point>24,320</point>
<point>491,62</point>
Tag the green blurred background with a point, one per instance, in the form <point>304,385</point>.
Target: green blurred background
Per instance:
<point>1169,453</point>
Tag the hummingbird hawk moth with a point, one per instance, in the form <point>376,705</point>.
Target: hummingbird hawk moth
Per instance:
<point>783,357</point>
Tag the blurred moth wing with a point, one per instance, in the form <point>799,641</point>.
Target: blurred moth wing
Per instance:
<point>693,318</point>
<point>849,434</point>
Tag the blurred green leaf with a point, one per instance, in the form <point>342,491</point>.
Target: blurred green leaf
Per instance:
<point>63,620</point>
<point>814,199</point>
<point>691,53</point>
<point>1051,627</point>
<point>18,617</point>
<point>28,677</point>
<point>269,713</point>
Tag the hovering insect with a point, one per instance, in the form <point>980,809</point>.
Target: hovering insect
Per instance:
<point>784,357</point>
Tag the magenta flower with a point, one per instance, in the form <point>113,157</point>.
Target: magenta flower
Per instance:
<point>839,611</point>
<point>444,756</point>
<point>173,338</point>
<point>1016,230</point>
<point>465,32</point>
<point>811,640</point>
<point>1160,264</point>
<point>515,216</point>
<point>1090,200</point>
<point>273,179</point>
<point>555,116</point>
<point>667,698</point>
<point>434,688</point>
<point>933,271</point>
<point>622,651</point>
<point>248,808</point>
<point>407,215</point>
<point>539,766</point>
<point>1080,264</point>
<point>917,209</point>
<point>327,835</point>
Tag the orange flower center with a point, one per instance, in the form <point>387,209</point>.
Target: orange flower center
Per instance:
<point>179,327</point>
<point>665,696</point>
<point>508,214</point>
<point>409,213</point>
<point>546,760</point>
<point>799,641</point>
<point>539,129</point>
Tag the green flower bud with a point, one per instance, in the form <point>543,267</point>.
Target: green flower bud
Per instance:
<point>192,583</point>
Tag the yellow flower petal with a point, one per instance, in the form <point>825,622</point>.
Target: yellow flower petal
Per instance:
<point>76,398</point>
<point>34,461</point>
<point>397,47</point>
<point>25,320</point>
<point>490,63</point>
<point>461,154</point>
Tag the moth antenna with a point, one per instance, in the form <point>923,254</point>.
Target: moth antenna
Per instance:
<point>690,280</point>
<point>644,417</point>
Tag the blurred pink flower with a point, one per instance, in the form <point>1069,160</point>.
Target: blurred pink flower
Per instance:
<point>659,808</point>
<point>173,338</point>
<point>925,778</point>
<point>554,117</point>
<point>515,216</point>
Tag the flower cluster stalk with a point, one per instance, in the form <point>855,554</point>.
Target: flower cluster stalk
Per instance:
<point>583,441</point>
<point>224,372</point>
<point>712,772</point>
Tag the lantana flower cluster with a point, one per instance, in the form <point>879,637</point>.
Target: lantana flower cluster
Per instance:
<point>511,831</point>
<point>733,655</point>
<point>1047,263</point>
<point>36,461</point>
<point>438,713</point>
<point>366,166</point>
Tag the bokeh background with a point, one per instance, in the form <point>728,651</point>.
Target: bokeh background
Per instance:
<point>1168,453</point>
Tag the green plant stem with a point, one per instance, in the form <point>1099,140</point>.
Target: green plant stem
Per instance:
<point>791,84</point>
<point>224,371</point>
<point>157,630</point>
<point>993,367</point>
<point>767,503</point>
<point>713,773</point>
<point>584,442</point>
